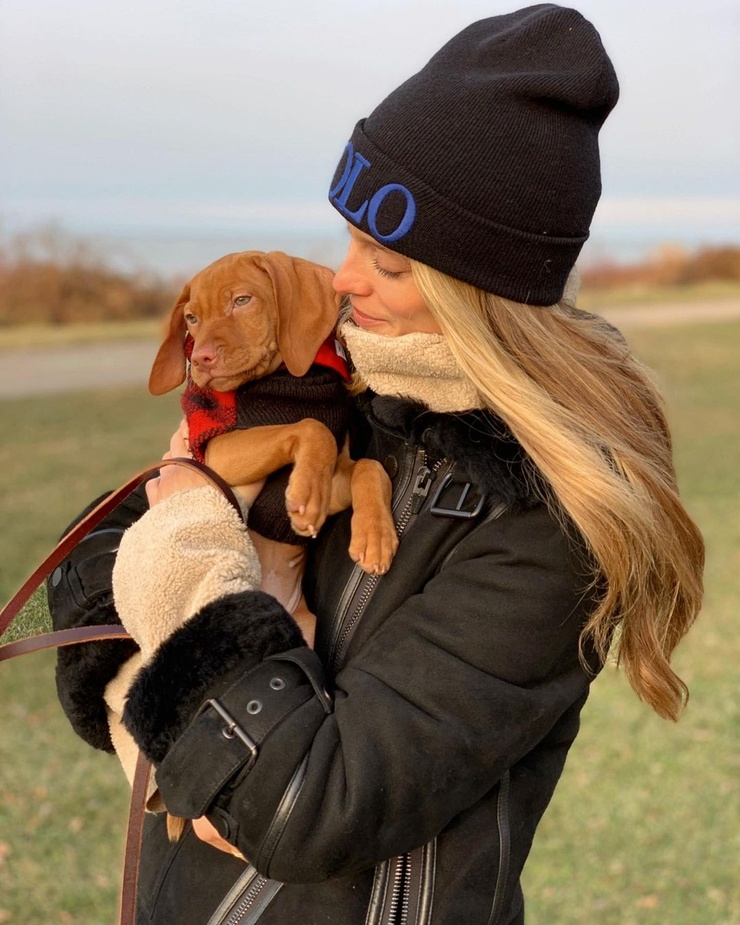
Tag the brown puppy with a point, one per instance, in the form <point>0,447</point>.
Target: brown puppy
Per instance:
<point>243,318</point>
<point>248,315</point>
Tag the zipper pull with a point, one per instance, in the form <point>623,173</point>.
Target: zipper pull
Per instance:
<point>421,488</point>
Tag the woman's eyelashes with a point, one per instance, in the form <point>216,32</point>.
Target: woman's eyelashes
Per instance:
<point>388,274</point>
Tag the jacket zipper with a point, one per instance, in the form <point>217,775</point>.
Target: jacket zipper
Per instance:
<point>399,911</point>
<point>246,900</point>
<point>408,500</point>
<point>403,913</point>
<point>404,888</point>
<point>357,575</point>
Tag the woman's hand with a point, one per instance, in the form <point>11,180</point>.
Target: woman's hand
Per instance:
<point>207,832</point>
<point>172,479</point>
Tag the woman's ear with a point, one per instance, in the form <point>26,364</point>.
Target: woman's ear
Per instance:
<point>168,369</point>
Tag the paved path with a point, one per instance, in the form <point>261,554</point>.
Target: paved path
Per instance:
<point>43,371</point>
<point>672,313</point>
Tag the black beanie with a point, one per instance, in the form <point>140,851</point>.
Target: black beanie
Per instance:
<point>485,164</point>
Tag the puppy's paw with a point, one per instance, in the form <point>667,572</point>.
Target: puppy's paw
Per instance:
<point>373,543</point>
<point>307,500</point>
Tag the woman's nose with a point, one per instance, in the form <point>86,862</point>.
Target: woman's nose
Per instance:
<point>349,279</point>
<point>340,281</point>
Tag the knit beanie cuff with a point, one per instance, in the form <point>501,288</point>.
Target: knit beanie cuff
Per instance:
<point>386,201</point>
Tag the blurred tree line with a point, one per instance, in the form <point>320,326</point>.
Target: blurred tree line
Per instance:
<point>48,276</point>
<point>668,265</point>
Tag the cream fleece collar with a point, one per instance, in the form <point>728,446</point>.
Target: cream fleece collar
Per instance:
<point>417,366</point>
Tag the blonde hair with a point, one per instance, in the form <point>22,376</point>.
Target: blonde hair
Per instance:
<point>590,417</point>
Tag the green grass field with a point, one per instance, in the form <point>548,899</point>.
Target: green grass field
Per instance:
<point>644,827</point>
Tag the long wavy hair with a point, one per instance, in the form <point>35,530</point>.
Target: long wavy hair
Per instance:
<point>591,419</point>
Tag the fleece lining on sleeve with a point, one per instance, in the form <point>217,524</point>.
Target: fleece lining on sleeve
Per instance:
<point>185,552</point>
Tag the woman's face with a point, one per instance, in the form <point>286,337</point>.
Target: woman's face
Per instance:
<point>381,290</point>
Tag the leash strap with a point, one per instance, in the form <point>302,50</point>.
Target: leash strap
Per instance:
<point>80,634</point>
<point>60,638</point>
<point>68,543</point>
<point>134,833</point>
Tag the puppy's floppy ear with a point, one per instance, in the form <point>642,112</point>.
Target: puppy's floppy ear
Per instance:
<point>307,307</point>
<point>168,370</point>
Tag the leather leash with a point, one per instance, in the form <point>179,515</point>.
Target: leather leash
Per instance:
<point>77,533</point>
<point>80,634</point>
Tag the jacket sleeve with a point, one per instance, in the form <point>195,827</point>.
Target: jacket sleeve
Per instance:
<point>79,593</point>
<point>457,685</point>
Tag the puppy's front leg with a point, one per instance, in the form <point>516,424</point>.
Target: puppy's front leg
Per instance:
<point>364,485</point>
<point>244,456</point>
<point>308,495</point>
<point>374,540</point>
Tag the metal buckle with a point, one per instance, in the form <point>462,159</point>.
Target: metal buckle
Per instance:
<point>457,509</point>
<point>232,728</point>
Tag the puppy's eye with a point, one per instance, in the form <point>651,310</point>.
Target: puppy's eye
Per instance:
<point>242,299</point>
<point>190,318</point>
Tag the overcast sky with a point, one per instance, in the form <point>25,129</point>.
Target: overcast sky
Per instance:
<point>218,116</point>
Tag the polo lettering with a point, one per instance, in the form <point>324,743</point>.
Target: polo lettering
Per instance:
<point>354,164</point>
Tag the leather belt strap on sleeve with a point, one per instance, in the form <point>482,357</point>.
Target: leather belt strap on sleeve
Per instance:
<point>82,634</point>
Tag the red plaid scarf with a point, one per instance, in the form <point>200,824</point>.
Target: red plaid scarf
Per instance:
<point>210,413</point>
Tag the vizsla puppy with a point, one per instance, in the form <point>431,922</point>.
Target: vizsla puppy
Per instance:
<point>257,328</point>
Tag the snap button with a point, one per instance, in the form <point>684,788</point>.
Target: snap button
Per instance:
<point>222,822</point>
<point>254,707</point>
<point>390,464</point>
<point>277,684</point>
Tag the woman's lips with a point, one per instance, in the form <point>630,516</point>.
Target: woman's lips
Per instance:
<point>363,320</point>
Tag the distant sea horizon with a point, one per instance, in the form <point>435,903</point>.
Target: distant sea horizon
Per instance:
<point>182,254</point>
<point>179,254</point>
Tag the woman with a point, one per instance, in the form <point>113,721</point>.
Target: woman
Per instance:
<point>397,772</point>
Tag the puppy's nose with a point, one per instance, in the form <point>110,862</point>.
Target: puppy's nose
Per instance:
<point>203,357</point>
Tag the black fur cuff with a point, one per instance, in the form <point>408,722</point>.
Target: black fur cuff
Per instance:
<point>229,636</point>
<point>79,594</point>
<point>82,674</point>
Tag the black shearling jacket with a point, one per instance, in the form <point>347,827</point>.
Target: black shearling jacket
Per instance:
<point>396,774</point>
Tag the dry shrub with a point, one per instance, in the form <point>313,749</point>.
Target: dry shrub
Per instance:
<point>50,277</point>
<point>668,265</point>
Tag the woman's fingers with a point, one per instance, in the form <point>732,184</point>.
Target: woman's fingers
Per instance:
<point>179,443</point>
<point>172,479</point>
